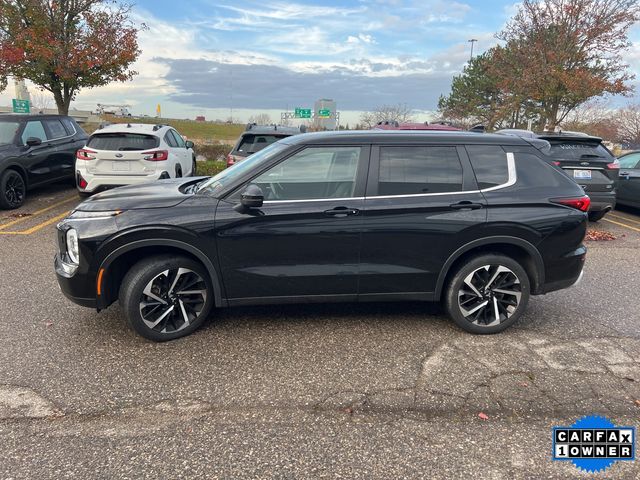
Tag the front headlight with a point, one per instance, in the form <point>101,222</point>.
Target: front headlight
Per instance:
<point>72,246</point>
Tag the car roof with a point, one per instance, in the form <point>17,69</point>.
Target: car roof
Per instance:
<point>550,136</point>
<point>403,137</point>
<point>33,116</point>
<point>142,128</point>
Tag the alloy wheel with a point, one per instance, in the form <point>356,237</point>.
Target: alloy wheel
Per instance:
<point>14,190</point>
<point>173,300</point>
<point>489,295</point>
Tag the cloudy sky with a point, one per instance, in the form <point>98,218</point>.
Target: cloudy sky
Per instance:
<point>244,56</point>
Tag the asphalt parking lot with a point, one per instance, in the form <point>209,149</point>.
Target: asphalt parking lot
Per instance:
<point>351,391</point>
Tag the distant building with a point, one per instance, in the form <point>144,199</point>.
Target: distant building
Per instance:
<point>200,118</point>
<point>324,106</point>
<point>22,92</point>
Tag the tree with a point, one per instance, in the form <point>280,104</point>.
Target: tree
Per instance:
<point>595,117</point>
<point>41,101</point>
<point>394,113</point>
<point>561,53</point>
<point>63,46</point>
<point>628,123</point>
<point>260,119</point>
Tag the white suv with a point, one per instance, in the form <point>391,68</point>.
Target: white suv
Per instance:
<point>127,154</point>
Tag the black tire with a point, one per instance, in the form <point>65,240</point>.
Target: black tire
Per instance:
<point>178,171</point>
<point>13,190</point>
<point>482,319</point>
<point>161,276</point>
<point>194,168</point>
<point>596,216</point>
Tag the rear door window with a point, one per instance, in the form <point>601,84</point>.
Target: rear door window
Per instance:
<point>170,139</point>
<point>419,170</point>
<point>56,129</point>
<point>68,126</point>
<point>489,163</point>
<point>123,141</point>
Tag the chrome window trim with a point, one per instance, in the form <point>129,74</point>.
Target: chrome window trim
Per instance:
<point>511,180</point>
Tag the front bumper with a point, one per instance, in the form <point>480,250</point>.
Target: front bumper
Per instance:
<point>73,287</point>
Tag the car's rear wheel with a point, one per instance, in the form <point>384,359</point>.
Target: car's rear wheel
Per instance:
<point>166,297</point>
<point>596,216</point>
<point>178,171</point>
<point>13,190</point>
<point>487,294</point>
<point>194,168</point>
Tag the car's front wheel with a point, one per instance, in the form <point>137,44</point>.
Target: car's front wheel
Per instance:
<point>487,294</point>
<point>166,297</point>
<point>13,190</point>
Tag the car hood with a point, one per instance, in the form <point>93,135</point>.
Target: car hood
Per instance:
<point>158,194</point>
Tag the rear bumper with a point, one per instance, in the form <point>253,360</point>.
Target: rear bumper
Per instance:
<point>602,201</point>
<point>96,183</point>
<point>565,272</point>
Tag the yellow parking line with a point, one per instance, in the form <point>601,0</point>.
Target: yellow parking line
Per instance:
<point>621,217</point>
<point>34,214</point>
<point>622,224</point>
<point>35,228</point>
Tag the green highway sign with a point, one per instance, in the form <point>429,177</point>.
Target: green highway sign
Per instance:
<point>324,113</point>
<point>21,106</point>
<point>302,113</point>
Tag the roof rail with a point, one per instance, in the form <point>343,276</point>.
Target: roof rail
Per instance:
<point>479,128</point>
<point>158,127</point>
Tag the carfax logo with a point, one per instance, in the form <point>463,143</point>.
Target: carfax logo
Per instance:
<point>594,443</point>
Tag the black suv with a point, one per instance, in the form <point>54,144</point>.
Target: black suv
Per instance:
<point>585,159</point>
<point>256,137</point>
<point>36,150</point>
<point>478,221</point>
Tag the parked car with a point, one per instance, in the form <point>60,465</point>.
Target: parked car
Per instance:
<point>256,137</point>
<point>480,222</point>
<point>35,150</point>
<point>129,154</point>
<point>585,159</point>
<point>629,183</point>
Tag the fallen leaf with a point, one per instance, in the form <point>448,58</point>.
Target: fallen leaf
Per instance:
<point>598,236</point>
<point>637,402</point>
<point>523,384</point>
<point>483,416</point>
<point>20,215</point>
<point>48,324</point>
<point>348,410</point>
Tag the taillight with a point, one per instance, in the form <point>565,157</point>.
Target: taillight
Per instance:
<point>156,155</point>
<point>85,154</point>
<point>613,165</point>
<point>579,203</point>
<point>230,160</point>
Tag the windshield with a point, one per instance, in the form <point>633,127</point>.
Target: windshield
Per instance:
<point>217,182</point>
<point>8,132</point>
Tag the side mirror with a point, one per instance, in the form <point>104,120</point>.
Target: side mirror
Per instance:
<point>252,197</point>
<point>189,144</point>
<point>33,142</point>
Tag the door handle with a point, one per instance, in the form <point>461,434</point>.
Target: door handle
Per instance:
<point>341,212</point>
<point>466,205</point>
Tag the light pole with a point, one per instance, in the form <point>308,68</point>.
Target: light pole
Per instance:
<point>472,41</point>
